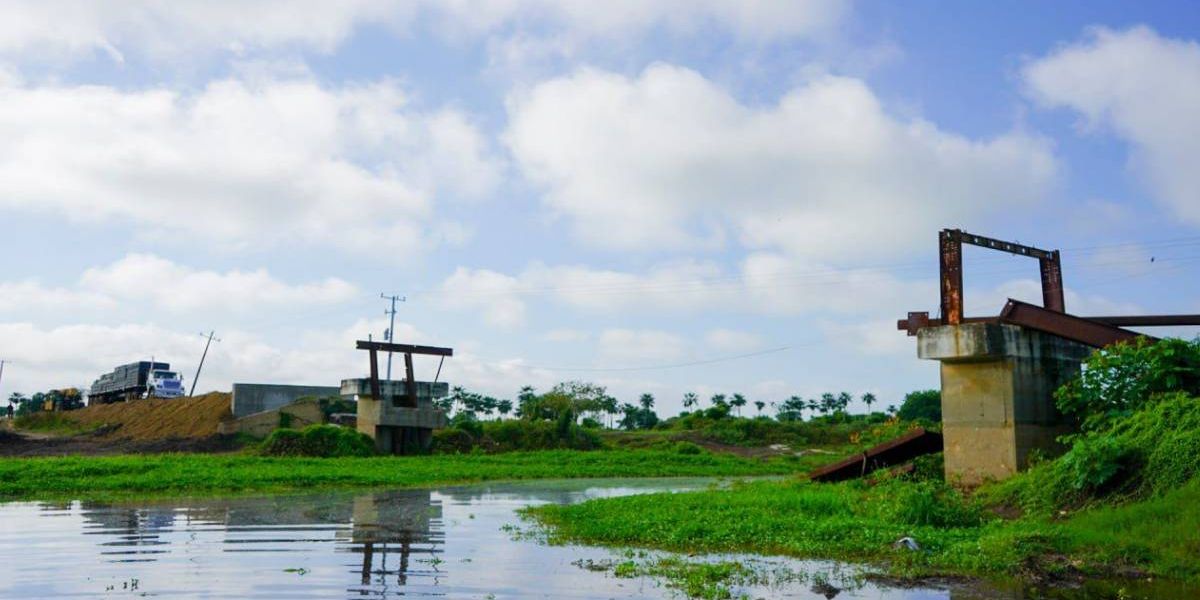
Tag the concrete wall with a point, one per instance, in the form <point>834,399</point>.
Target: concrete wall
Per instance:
<point>998,385</point>
<point>250,398</point>
<point>303,414</point>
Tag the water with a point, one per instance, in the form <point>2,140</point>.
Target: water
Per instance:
<point>449,543</point>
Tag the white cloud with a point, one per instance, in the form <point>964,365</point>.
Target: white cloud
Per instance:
<point>764,283</point>
<point>732,340</point>
<point>144,280</point>
<point>491,293</point>
<point>172,30</point>
<point>180,288</point>
<point>566,336</point>
<point>670,160</point>
<point>632,345</point>
<point>1143,87</point>
<point>241,163</point>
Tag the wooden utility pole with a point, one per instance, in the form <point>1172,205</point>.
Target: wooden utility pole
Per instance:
<point>201,366</point>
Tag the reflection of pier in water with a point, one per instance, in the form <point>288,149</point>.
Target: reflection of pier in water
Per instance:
<point>395,527</point>
<point>400,524</point>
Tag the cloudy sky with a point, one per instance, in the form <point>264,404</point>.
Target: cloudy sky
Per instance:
<point>658,195</point>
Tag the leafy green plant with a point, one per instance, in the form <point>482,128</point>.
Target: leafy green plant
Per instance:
<point>325,441</point>
<point>1096,463</point>
<point>1119,379</point>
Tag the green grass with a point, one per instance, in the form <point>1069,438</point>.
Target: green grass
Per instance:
<point>198,474</point>
<point>860,523</point>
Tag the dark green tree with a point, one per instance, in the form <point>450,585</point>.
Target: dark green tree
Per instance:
<point>922,404</point>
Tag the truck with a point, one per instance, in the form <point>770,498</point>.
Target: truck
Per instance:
<point>143,379</point>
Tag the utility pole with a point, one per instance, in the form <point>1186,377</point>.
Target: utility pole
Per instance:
<point>387,335</point>
<point>202,357</point>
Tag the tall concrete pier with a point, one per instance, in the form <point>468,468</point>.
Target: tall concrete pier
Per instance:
<point>393,420</point>
<point>998,385</point>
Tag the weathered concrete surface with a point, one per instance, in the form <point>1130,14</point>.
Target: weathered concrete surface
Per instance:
<point>250,398</point>
<point>998,385</point>
<point>397,427</point>
<point>302,414</point>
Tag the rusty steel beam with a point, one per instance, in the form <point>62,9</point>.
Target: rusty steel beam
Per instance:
<point>374,374</point>
<point>920,320</point>
<point>404,348</point>
<point>1052,283</point>
<point>1079,329</point>
<point>1003,246</point>
<point>950,272</point>
<point>917,442</point>
<point>1148,320</point>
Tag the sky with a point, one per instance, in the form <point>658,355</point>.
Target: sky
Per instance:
<point>660,196</point>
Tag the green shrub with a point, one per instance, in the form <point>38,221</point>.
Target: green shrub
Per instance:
<point>923,405</point>
<point>1095,464</point>
<point>318,440</point>
<point>452,441</point>
<point>1120,379</point>
<point>688,448</point>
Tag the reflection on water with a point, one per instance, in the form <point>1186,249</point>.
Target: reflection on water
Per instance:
<point>443,543</point>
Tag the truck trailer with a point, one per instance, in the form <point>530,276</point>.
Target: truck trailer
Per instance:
<point>144,379</point>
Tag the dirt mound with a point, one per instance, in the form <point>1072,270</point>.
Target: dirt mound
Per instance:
<point>157,419</point>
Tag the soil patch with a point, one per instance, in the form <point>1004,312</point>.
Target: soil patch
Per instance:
<point>155,419</point>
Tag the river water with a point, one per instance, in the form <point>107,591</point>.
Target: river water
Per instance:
<point>456,542</point>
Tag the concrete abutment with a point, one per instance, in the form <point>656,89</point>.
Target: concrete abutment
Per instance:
<point>998,385</point>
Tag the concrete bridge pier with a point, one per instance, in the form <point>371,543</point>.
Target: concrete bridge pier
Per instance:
<point>397,425</point>
<point>998,385</point>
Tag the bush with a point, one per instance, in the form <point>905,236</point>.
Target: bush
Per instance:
<point>318,440</point>
<point>929,503</point>
<point>1120,379</point>
<point>1096,464</point>
<point>452,441</point>
<point>922,405</point>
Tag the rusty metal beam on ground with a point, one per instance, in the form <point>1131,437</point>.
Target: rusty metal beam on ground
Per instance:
<point>917,442</point>
<point>1079,329</point>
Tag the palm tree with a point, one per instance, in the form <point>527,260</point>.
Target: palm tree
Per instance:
<point>868,399</point>
<point>812,406</point>
<point>504,407</point>
<point>647,401</point>
<point>738,401</point>
<point>759,404</point>
<point>718,400</point>
<point>690,399</point>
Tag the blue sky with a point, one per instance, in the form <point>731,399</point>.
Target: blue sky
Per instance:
<point>659,196</point>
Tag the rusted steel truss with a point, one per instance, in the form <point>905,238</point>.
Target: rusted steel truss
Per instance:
<point>950,242</point>
<point>1051,317</point>
<point>408,350</point>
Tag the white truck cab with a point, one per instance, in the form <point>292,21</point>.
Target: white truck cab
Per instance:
<point>164,384</point>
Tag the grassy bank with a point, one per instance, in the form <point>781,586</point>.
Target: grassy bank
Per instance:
<point>860,523</point>
<point>198,474</point>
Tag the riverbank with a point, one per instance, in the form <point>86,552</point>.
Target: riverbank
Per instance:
<point>75,477</point>
<point>855,522</point>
